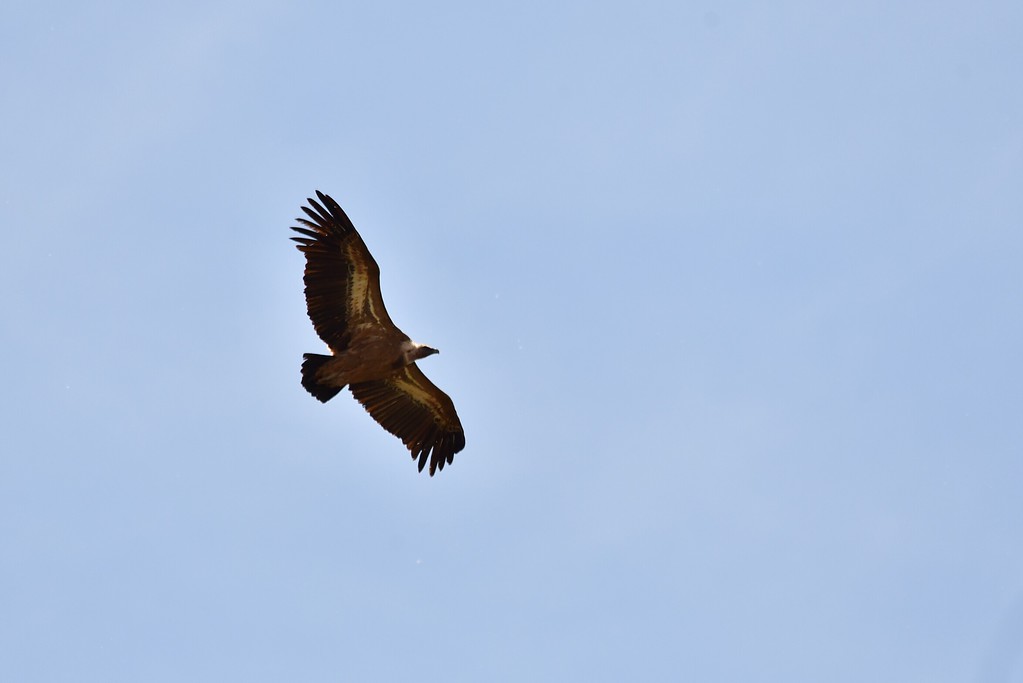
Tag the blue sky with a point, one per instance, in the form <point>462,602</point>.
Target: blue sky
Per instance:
<point>728,298</point>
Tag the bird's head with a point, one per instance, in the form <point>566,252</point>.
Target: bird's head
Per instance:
<point>422,351</point>
<point>414,351</point>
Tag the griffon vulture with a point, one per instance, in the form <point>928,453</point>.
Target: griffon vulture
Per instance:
<point>375,359</point>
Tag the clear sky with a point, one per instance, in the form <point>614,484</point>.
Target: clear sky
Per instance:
<point>728,297</point>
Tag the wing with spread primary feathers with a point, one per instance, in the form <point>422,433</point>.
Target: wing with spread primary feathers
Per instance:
<point>411,407</point>
<point>342,281</point>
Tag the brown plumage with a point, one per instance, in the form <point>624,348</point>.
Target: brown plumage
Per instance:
<point>370,355</point>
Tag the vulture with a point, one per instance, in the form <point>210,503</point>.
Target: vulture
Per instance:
<point>369,354</point>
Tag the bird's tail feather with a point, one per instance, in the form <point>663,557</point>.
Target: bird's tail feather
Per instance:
<point>310,366</point>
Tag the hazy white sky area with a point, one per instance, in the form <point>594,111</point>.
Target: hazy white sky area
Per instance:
<point>728,296</point>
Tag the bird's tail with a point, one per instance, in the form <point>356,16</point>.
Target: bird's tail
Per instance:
<point>310,366</point>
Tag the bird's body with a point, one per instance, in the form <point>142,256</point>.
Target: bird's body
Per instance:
<point>369,354</point>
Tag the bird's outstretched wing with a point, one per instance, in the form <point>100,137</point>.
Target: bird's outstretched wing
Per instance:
<point>342,281</point>
<point>411,407</point>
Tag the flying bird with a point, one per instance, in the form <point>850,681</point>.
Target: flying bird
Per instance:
<point>369,354</point>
